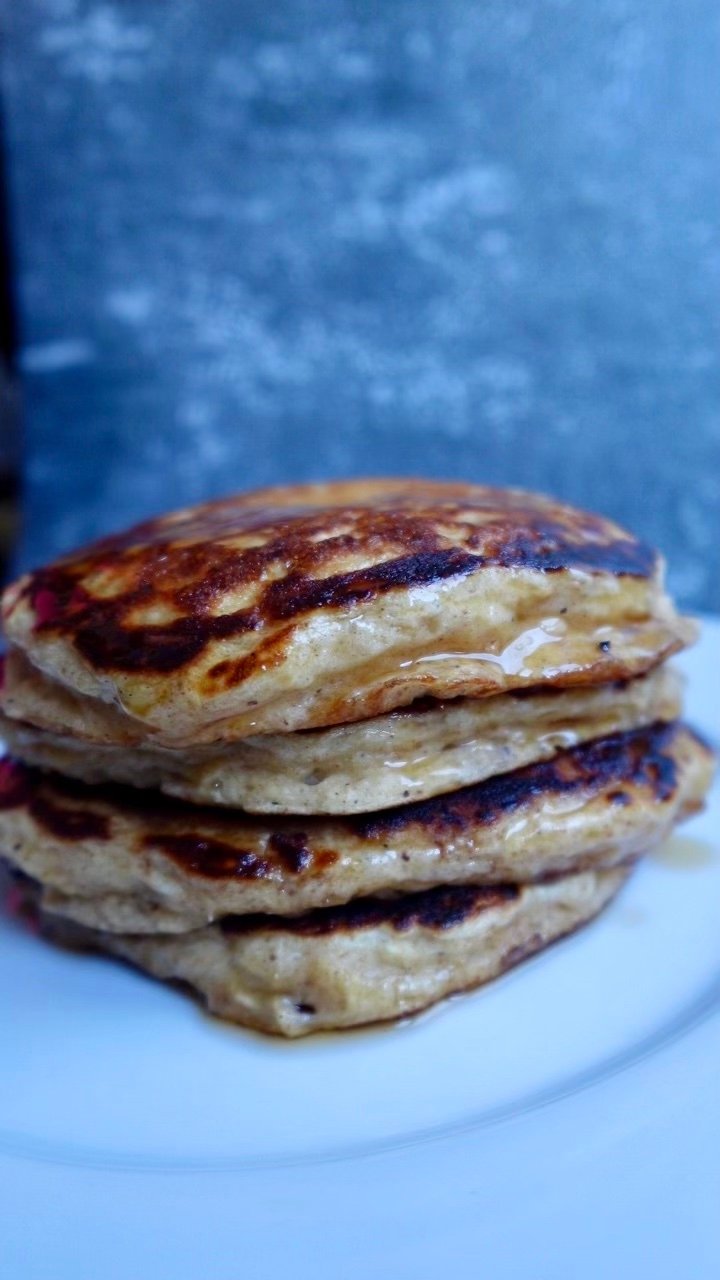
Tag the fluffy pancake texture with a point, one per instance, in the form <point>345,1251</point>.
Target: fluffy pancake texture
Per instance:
<point>368,962</point>
<point>330,752</point>
<point>316,605</point>
<point>131,862</point>
<point>420,751</point>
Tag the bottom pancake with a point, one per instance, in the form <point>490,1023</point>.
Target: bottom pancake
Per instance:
<point>371,960</point>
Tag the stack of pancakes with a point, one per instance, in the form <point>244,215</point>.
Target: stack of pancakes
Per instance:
<point>328,753</point>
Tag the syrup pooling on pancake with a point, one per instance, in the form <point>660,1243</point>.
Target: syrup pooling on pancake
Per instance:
<point>324,604</point>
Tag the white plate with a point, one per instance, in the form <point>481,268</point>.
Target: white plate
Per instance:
<point>562,1122</point>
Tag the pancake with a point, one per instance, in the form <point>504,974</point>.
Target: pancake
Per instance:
<point>316,605</point>
<point>420,751</point>
<point>369,962</point>
<point>134,862</point>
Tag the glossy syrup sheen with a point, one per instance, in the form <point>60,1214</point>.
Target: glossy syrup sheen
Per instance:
<point>291,560</point>
<point>222,844</point>
<point>638,758</point>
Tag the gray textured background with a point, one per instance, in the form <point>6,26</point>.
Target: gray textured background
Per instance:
<point>262,241</point>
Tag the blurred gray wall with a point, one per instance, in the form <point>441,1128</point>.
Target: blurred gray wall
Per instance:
<point>259,241</point>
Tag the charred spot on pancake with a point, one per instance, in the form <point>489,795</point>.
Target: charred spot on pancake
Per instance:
<point>282,563</point>
<point>223,671</point>
<point>69,823</point>
<point>547,545</point>
<point>292,850</point>
<point>20,783</point>
<point>214,859</point>
<point>619,797</point>
<point>269,653</point>
<point>63,806</point>
<point>21,787</point>
<point>640,757</point>
<point>204,855</point>
<point>295,594</point>
<point>14,790</point>
<point>444,907</point>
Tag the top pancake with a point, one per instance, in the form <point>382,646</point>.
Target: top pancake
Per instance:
<point>314,605</point>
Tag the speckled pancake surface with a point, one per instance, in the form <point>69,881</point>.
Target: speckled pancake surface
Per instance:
<point>368,962</point>
<point>322,604</point>
<point>132,861</point>
<point>423,750</point>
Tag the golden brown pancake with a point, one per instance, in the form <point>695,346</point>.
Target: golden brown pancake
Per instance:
<point>316,605</point>
<point>445,704</point>
<point>134,862</point>
<point>423,750</point>
<point>367,962</point>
